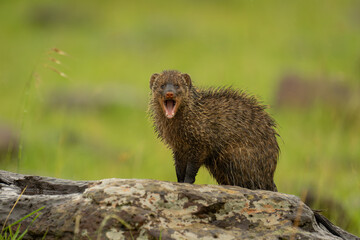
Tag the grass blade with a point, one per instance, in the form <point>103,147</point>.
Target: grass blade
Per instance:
<point>10,233</point>
<point>23,234</point>
<point>16,232</point>
<point>27,229</point>
<point>43,238</point>
<point>23,218</point>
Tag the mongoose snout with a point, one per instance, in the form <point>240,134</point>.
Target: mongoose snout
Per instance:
<point>169,103</point>
<point>169,95</point>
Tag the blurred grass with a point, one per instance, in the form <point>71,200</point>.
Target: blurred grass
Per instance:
<point>113,48</point>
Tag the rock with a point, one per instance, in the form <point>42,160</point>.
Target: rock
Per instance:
<point>48,15</point>
<point>9,142</point>
<point>85,98</point>
<point>150,209</point>
<point>298,91</point>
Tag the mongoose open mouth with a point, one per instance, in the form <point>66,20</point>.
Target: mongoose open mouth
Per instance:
<point>170,107</point>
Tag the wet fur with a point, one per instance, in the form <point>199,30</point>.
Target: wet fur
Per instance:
<point>223,129</point>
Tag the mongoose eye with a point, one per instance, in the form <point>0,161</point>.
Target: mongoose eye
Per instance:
<point>162,86</point>
<point>176,86</point>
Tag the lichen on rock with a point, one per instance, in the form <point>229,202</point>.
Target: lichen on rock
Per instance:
<point>150,209</point>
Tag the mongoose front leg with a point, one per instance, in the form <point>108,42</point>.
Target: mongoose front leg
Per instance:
<point>180,166</point>
<point>192,169</point>
<point>180,171</point>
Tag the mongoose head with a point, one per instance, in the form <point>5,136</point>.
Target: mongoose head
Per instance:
<point>169,88</point>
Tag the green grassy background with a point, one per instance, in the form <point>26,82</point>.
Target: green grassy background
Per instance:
<point>112,49</point>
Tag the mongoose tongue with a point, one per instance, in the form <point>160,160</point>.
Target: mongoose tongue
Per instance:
<point>169,108</point>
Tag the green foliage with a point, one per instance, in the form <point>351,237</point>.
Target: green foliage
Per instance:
<point>82,112</point>
<point>7,232</point>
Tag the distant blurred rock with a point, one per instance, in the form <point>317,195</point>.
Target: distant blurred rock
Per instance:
<point>85,98</point>
<point>298,91</point>
<point>52,14</point>
<point>9,142</point>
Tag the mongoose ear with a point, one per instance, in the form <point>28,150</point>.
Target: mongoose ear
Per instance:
<point>187,79</point>
<point>152,79</point>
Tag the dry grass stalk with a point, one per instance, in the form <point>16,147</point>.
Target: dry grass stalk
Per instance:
<point>298,213</point>
<point>55,70</point>
<point>60,52</point>
<point>17,200</point>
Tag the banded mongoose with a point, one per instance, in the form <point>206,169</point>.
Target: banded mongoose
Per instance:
<point>225,130</point>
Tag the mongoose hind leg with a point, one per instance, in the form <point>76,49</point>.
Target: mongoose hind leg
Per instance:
<point>241,167</point>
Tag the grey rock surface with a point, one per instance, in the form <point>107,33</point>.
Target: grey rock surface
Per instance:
<point>150,209</point>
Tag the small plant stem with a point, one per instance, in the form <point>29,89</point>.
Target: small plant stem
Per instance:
<point>17,200</point>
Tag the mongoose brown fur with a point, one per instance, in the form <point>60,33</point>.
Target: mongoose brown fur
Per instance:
<point>223,129</point>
